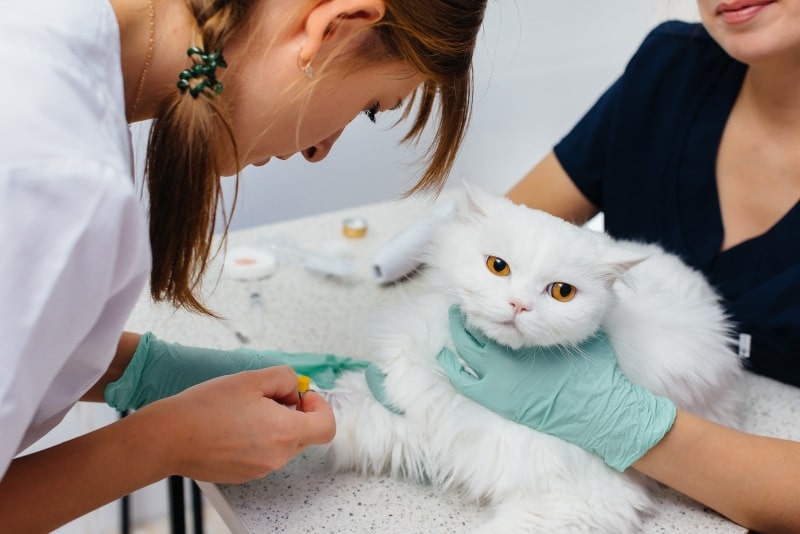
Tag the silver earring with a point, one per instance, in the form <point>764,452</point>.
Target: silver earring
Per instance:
<point>305,68</point>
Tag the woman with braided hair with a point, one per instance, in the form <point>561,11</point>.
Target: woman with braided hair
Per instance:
<point>228,83</point>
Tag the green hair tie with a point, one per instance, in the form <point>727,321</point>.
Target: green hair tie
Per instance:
<point>205,67</point>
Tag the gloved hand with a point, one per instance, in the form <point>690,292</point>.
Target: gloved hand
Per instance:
<point>158,369</point>
<point>375,381</point>
<point>577,394</point>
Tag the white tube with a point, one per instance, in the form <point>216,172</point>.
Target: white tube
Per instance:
<point>402,254</point>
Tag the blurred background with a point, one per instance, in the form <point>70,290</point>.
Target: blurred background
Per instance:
<point>538,68</point>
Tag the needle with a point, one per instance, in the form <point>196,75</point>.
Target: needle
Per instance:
<point>257,309</point>
<point>241,337</point>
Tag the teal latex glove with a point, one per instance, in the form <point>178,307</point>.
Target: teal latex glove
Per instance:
<point>159,369</point>
<point>375,381</point>
<point>577,394</point>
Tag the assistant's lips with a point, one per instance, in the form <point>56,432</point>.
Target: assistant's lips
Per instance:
<point>741,11</point>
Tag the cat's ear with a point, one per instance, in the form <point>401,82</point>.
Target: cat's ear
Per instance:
<point>618,262</point>
<point>478,201</point>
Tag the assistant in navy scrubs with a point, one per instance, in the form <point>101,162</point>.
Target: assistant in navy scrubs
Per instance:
<point>646,155</point>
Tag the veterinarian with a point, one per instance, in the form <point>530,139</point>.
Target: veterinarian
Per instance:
<point>696,147</point>
<point>229,83</point>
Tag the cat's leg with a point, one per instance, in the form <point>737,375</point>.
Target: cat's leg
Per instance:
<point>586,497</point>
<point>371,439</point>
<point>567,513</point>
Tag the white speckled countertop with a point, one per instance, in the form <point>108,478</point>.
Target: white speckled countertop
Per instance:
<point>304,311</point>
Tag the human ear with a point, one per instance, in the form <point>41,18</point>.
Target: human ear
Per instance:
<point>330,19</point>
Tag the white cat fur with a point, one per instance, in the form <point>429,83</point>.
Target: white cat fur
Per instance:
<point>666,325</point>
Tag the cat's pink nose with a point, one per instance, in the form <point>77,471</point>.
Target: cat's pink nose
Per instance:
<point>518,306</point>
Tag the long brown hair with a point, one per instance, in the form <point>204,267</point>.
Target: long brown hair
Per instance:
<point>437,38</point>
<point>190,137</point>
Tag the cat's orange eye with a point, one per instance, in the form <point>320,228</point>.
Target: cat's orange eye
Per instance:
<point>497,266</point>
<point>562,291</point>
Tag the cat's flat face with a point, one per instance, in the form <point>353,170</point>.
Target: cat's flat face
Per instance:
<point>522,276</point>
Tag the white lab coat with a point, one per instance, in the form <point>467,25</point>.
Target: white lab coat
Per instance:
<point>75,253</point>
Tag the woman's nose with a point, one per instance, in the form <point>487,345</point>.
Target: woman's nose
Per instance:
<point>318,152</point>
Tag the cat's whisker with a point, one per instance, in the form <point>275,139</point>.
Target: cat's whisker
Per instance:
<point>576,355</point>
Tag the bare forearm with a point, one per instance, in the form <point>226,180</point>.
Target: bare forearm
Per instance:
<point>47,489</point>
<point>549,188</point>
<point>752,480</point>
<point>127,346</point>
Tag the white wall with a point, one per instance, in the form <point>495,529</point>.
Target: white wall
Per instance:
<point>538,67</point>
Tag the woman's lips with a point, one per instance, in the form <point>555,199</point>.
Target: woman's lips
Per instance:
<point>741,11</point>
<point>266,160</point>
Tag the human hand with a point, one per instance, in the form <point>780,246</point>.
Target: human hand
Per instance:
<point>240,427</point>
<point>159,369</point>
<point>578,394</point>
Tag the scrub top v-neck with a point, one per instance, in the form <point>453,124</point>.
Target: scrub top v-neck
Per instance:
<point>646,154</point>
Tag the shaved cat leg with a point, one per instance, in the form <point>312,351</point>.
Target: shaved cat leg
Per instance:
<point>370,439</point>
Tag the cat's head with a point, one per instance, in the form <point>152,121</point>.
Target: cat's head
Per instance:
<point>525,277</point>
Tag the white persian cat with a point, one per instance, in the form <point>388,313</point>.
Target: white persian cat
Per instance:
<point>666,325</point>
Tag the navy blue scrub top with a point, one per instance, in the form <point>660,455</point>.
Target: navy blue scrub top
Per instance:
<point>645,154</point>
